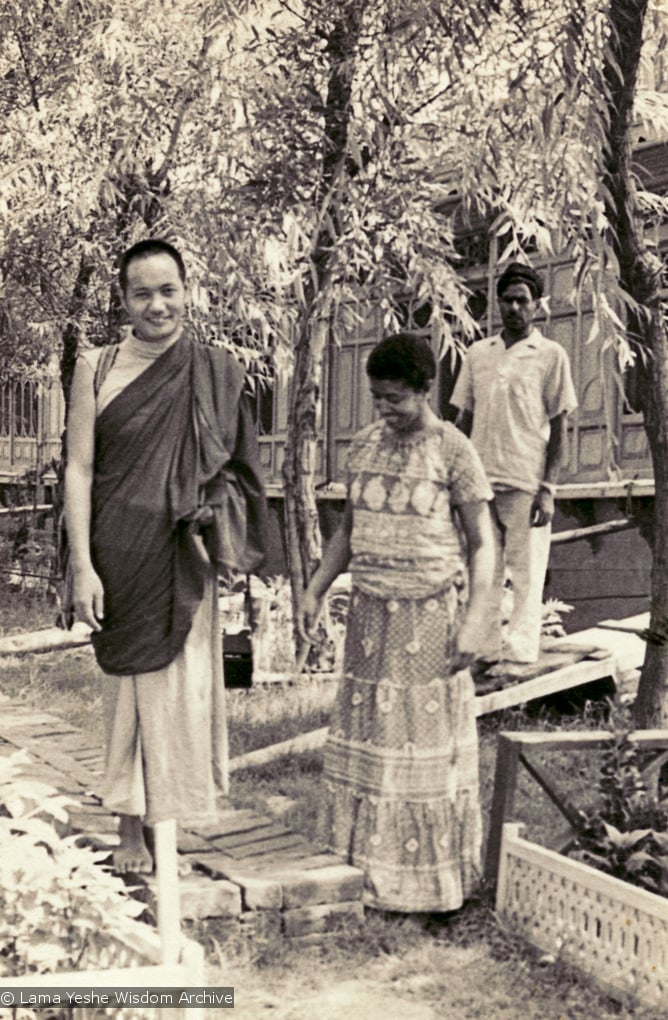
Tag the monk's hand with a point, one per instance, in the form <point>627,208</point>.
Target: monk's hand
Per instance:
<point>88,597</point>
<point>542,509</point>
<point>201,517</point>
<point>467,643</point>
<point>308,611</point>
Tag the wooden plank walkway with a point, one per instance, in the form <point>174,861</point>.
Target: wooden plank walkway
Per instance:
<point>244,867</point>
<point>570,662</point>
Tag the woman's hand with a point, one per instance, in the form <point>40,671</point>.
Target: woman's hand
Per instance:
<point>467,642</point>
<point>88,597</point>
<point>308,611</point>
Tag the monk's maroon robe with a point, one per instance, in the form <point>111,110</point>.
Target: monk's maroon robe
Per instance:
<point>175,440</point>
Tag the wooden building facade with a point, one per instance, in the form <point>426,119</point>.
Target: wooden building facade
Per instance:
<point>606,474</point>
<point>31,424</point>
<point>607,443</point>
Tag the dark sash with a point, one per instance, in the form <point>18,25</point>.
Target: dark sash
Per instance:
<point>176,439</point>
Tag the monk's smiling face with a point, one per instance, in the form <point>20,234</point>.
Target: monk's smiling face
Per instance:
<point>155,297</point>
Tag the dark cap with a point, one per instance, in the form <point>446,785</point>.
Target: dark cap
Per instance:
<point>516,272</point>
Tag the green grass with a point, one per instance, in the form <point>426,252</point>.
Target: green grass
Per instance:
<point>24,611</point>
<point>267,715</point>
<point>66,683</point>
<point>574,774</point>
<point>473,968</point>
<point>296,778</point>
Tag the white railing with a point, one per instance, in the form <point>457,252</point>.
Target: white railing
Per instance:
<point>611,930</point>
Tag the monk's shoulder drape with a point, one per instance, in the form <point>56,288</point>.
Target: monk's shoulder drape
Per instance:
<point>176,440</point>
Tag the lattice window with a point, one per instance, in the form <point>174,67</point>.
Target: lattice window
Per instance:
<point>25,409</point>
<point>5,409</point>
<point>19,409</point>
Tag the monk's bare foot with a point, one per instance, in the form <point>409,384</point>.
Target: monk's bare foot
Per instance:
<point>183,865</point>
<point>132,856</point>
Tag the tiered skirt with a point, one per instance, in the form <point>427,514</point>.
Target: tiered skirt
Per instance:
<point>401,760</point>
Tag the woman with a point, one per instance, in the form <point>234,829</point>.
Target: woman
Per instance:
<point>401,761</point>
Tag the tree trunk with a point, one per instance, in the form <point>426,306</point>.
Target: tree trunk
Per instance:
<point>303,538</point>
<point>68,359</point>
<point>299,466</point>
<point>72,327</point>
<point>651,705</point>
<point>640,276</point>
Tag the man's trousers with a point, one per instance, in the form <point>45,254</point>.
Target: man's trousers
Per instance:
<point>522,554</point>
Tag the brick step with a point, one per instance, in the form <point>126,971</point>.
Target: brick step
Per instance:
<point>249,869</point>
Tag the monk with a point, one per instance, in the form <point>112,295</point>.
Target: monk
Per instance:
<point>162,492</point>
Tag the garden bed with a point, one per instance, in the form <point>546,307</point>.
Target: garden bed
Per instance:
<point>611,930</point>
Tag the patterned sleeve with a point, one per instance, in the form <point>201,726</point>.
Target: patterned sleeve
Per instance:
<point>559,390</point>
<point>468,481</point>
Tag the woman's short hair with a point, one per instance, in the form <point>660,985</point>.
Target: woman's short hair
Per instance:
<point>142,250</point>
<point>403,357</point>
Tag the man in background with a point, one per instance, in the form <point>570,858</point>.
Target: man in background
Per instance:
<point>514,393</point>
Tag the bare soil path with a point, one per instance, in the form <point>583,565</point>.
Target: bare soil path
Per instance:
<point>432,981</point>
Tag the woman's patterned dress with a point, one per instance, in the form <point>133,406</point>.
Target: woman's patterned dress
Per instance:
<point>401,761</point>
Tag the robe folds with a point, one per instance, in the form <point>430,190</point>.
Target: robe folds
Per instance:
<point>176,489</point>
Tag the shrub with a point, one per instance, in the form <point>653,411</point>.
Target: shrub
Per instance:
<point>57,901</point>
<point>626,835</point>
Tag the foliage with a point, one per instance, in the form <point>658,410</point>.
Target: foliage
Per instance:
<point>311,157</point>
<point>105,143</point>
<point>26,554</point>
<point>541,164</point>
<point>273,646</point>
<point>626,836</point>
<point>227,143</point>
<point>57,901</point>
<point>551,612</point>
<point>551,622</point>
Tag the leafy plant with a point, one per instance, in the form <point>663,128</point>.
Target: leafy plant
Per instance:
<point>551,613</point>
<point>626,835</point>
<point>58,903</point>
<point>273,629</point>
<point>551,622</point>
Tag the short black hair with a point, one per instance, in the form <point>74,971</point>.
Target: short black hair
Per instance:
<point>403,357</point>
<point>518,272</point>
<point>142,250</point>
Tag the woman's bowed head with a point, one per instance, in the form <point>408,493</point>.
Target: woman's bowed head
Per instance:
<point>401,370</point>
